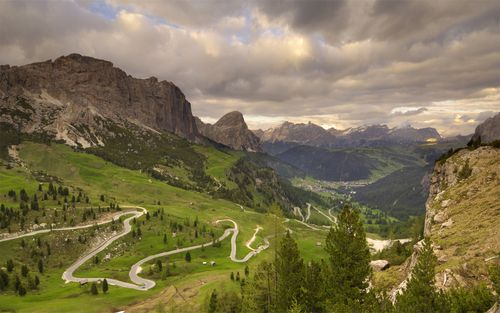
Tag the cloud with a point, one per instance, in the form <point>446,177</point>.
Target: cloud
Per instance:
<point>405,111</point>
<point>340,63</point>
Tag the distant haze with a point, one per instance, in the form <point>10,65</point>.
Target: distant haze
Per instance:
<point>335,63</point>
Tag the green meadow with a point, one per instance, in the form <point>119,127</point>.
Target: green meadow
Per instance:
<point>95,177</point>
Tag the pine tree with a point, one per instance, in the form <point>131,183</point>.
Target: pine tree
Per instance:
<point>93,289</point>
<point>289,272</point>
<point>159,265</point>
<point>24,270</point>
<point>40,265</point>
<point>314,287</point>
<point>21,290</point>
<point>260,293</point>
<point>10,265</point>
<point>105,286</point>
<point>212,305</point>
<point>349,259</point>
<point>164,238</point>
<point>420,294</point>
<point>188,257</point>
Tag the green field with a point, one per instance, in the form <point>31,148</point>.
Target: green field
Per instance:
<point>95,177</point>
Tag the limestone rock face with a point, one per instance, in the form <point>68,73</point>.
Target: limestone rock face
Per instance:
<point>232,131</point>
<point>59,96</point>
<point>489,130</point>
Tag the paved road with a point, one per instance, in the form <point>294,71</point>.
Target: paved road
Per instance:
<point>332,215</point>
<point>68,274</point>
<point>48,230</point>
<point>298,211</point>
<point>235,232</point>
<point>139,283</point>
<point>332,220</point>
<point>248,244</point>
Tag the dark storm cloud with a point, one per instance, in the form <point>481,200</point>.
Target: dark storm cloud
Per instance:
<point>330,16</point>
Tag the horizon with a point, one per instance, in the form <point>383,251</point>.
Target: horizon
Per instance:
<point>336,63</point>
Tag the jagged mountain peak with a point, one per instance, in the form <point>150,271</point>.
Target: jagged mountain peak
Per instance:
<point>231,130</point>
<point>234,118</point>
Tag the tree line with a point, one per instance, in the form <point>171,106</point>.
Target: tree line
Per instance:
<point>341,284</point>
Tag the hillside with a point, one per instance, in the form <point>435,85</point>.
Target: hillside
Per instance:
<point>140,124</point>
<point>463,215</point>
<point>401,193</point>
<point>176,218</point>
<point>324,164</point>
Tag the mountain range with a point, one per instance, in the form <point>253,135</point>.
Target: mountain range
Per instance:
<point>289,134</point>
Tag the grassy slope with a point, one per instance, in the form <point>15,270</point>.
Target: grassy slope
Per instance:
<point>473,207</point>
<point>96,176</point>
<point>218,162</point>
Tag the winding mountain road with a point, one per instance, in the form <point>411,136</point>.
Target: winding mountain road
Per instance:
<point>332,219</point>
<point>139,283</point>
<point>48,230</point>
<point>235,232</point>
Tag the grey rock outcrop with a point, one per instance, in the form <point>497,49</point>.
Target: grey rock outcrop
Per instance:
<point>489,130</point>
<point>379,265</point>
<point>232,131</point>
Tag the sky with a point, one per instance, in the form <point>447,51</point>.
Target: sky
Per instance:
<point>428,63</point>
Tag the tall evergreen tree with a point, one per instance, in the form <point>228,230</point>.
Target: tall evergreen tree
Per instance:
<point>105,286</point>
<point>212,304</point>
<point>40,266</point>
<point>93,289</point>
<point>260,294</point>
<point>350,268</point>
<point>420,295</point>
<point>314,287</point>
<point>289,273</point>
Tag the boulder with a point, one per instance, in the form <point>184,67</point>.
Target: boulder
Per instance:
<point>379,265</point>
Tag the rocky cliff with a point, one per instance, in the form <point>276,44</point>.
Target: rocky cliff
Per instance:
<point>463,214</point>
<point>462,217</point>
<point>232,131</point>
<point>489,130</point>
<point>72,97</point>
